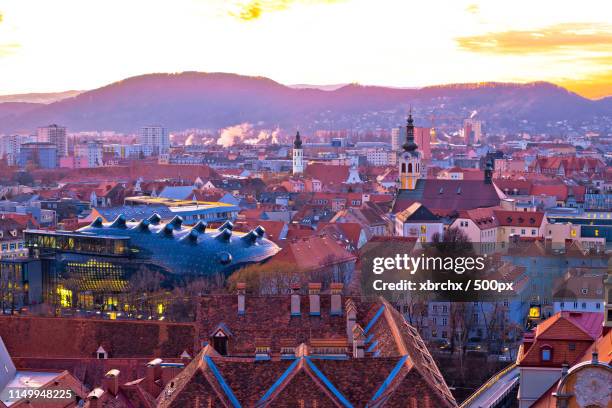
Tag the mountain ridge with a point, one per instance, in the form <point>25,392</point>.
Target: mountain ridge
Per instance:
<point>216,100</point>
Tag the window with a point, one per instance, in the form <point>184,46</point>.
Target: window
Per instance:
<point>571,346</point>
<point>522,231</point>
<point>220,344</point>
<point>546,354</point>
<point>583,305</point>
<point>562,305</point>
<point>597,305</point>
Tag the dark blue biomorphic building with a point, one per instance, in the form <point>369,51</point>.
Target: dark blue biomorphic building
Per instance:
<point>102,258</point>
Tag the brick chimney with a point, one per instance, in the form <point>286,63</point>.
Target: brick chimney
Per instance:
<point>153,374</point>
<point>241,289</point>
<point>314,290</point>
<point>336,298</point>
<point>111,382</point>
<point>295,300</point>
<point>351,318</point>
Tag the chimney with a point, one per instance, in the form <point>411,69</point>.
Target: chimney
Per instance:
<point>94,398</point>
<point>595,357</point>
<point>336,299</point>
<point>564,369</point>
<point>358,337</point>
<point>314,290</point>
<point>111,382</point>
<point>153,374</point>
<point>241,288</point>
<point>351,318</point>
<point>295,300</point>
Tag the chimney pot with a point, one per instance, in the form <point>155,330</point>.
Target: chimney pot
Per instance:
<point>241,289</point>
<point>94,397</point>
<point>314,290</point>
<point>153,374</point>
<point>111,380</point>
<point>336,299</point>
<point>295,300</point>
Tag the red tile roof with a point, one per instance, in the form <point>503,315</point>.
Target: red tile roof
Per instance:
<point>312,253</point>
<point>556,333</point>
<point>328,175</point>
<point>30,337</point>
<point>531,219</point>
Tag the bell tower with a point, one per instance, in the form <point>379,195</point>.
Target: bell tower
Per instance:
<point>410,159</point>
<point>298,155</point>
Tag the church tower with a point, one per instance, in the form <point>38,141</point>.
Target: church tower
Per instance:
<point>409,160</point>
<point>298,155</point>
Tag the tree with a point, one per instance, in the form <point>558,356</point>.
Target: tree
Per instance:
<point>268,278</point>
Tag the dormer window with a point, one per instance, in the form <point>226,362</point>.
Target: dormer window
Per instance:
<point>546,353</point>
<point>101,354</point>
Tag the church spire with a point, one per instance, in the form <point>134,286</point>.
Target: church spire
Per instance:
<point>410,146</point>
<point>297,143</point>
<point>298,155</point>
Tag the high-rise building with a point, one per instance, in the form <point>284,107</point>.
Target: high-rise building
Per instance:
<point>155,139</point>
<point>56,135</point>
<point>396,135</point>
<point>10,145</point>
<point>422,137</point>
<point>298,155</point>
<point>472,131</point>
<point>88,154</point>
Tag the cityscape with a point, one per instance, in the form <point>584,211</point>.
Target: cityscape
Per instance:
<point>218,238</point>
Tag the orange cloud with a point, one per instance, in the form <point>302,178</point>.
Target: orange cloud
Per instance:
<point>555,38</point>
<point>594,86</point>
<point>473,9</point>
<point>569,44</point>
<point>254,9</point>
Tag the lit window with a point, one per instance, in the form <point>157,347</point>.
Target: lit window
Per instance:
<point>546,354</point>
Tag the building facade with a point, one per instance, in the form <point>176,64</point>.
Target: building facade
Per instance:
<point>56,135</point>
<point>156,138</point>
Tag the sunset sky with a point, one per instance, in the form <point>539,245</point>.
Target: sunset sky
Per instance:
<point>56,45</point>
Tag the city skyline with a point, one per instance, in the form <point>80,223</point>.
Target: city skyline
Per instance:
<point>308,41</point>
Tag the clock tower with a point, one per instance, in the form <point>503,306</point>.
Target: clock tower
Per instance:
<point>409,159</point>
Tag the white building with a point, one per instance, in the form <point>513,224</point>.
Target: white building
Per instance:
<point>54,134</point>
<point>156,138</point>
<point>418,222</point>
<point>580,291</point>
<point>379,157</point>
<point>298,155</point>
<point>88,154</point>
